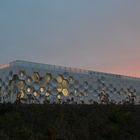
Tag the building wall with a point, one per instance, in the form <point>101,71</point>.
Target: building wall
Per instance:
<point>29,82</point>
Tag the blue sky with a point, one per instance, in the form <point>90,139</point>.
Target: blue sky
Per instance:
<point>102,35</point>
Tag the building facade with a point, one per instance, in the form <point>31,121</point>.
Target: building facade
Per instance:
<point>27,82</point>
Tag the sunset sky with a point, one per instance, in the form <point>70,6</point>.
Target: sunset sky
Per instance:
<point>100,35</point>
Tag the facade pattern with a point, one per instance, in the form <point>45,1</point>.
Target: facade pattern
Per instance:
<point>34,83</point>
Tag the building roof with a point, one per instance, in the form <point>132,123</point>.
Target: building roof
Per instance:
<point>21,63</point>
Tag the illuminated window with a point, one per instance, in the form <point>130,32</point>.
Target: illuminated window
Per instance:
<point>29,80</point>
<point>47,94</point>
<point>42,89</point>
<point>28,90</point>
<point>59,88</point>
<point>65,92</point>
<point>35,76</point>
<point>130,94</point>
<point>65,83</point>
<point>59,96</point>
<point>22,94</point>
<point>103,92</point>
<point>35,93</point>
<point>75,90</point>
<point>21,73</point>
<point>59,78</point>
<point>47,77</point>
<point>21,84</point>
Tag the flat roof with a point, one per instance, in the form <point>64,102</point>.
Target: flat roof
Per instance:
<point>69,69</point>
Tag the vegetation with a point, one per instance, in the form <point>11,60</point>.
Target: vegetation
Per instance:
<point>69,122</point>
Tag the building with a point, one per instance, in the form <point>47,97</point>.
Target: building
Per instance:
<point>27,82</point>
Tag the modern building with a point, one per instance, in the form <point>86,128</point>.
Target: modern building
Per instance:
<point>28,82</point>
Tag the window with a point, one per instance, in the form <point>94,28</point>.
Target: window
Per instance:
<point>21,84</point>
<point>64,83</point>
<point>59,88</point>
<point>47,77</point>
<point>59,78</point>
<point>65,92</point>
<point>42,89</point>
<point>22,94</point>
<point>75,91</point>
<point>59,96</point>
<point>29,80</point>
<point>21,73</point>
<point>47,94</point>
<point>35,93</point>
<point>71,79</point>
<point>28,89</point>
<point>35,76</point>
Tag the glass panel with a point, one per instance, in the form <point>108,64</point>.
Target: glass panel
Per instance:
<point>47,77</point>
<point>29,80</point>
<point>21,84</point>
<point>22,94</point>
<point>71,79</point>
<point>65,92</point>
<point>35,93</point>
<point>59,96</point>
<point>59,88</point>
<point>28,89</point>
<point>65,83</point>
<point>42,89</point>
<point>59,78</point>
<point>35,76</point>
<point>47,93</point>
<point>21,73</point>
